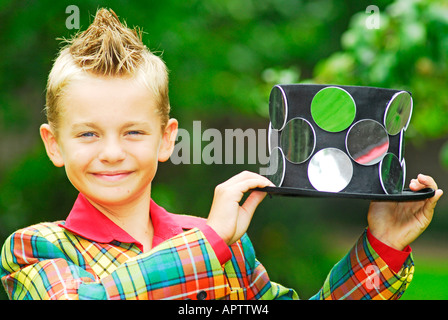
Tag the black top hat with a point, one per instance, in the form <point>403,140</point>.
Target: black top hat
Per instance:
<point>339,141</point>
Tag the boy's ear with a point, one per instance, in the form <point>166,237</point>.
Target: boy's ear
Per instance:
<point>168,140</point>
<point>51,145</point>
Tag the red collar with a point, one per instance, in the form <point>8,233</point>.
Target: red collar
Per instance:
<point>87,221</point>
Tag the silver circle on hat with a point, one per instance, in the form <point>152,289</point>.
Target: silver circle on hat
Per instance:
<point>391,174</point>
<point>403,168</point>
<point>398,112</point>
<point>278,107</point>
<point>330,169</point>
<point>298,140</point>
<point>367,142</point>
<point>273,135</point>
<point>277,167</point>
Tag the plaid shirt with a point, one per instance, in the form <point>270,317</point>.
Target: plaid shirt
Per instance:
<point>50,261</point>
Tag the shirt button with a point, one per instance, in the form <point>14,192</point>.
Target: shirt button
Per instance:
<point>201,295</point>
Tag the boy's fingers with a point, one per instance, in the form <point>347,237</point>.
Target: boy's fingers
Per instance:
<point>427,181</point>
<point>240,177</point>
<point>423,181</point>
<point>234,192</point>
<point>243,182</point>
<point>245,175</point>
<point>247,185</point>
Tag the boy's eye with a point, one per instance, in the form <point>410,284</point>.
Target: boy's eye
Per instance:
<point>134,132</point>
<point>87,134</point>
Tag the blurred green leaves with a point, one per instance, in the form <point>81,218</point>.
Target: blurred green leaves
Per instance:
<point>409,51</point>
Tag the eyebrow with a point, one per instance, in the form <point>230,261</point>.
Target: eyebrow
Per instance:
<point>93,125</point>
<point>80,125</point>
<point>136,123</point>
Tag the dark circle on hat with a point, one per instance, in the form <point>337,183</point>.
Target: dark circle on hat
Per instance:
<point>277,167</point>
<point>398,112</point>
<point>391,174</point>
<point>278,107</point>
<point>333,109</point>
<point>403,166</point>
<point>401,147</point>
<point>330,169</point>
<point>298,140</point>
<point>367,142</point>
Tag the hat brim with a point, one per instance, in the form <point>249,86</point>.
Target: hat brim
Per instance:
<point>405,195</point>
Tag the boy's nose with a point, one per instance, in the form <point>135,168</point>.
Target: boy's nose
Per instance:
<point>112,151</point>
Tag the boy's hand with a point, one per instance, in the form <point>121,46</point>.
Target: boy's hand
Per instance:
<point>230,220</point>
<point>397,224</point>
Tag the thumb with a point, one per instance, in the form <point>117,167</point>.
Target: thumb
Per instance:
<point>252,201</point>
<point>246,213</point>
<point>432,202</point>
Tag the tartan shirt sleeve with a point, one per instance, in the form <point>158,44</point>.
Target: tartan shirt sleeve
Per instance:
<point>363,274</point>
<point>360,275</point>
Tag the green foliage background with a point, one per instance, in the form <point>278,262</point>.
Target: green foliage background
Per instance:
<point>224,57</point>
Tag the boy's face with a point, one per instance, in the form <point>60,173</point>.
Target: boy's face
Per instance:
<point>110,139</point>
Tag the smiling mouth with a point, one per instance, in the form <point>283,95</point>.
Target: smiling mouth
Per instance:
<point>112,176</point>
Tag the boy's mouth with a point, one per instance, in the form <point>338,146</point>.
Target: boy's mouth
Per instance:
<point>112,175</point>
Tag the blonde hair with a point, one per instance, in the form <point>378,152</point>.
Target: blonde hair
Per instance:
<point>107,48</point>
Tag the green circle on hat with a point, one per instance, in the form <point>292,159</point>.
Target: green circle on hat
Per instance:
<point>333,109</point>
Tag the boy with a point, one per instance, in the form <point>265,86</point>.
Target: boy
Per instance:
<point>109,126</point>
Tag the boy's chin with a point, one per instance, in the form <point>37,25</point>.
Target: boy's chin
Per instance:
<point>108,198</point>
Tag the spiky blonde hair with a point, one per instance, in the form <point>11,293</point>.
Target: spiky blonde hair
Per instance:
<point>107,48</point>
